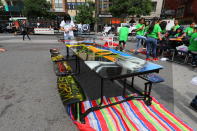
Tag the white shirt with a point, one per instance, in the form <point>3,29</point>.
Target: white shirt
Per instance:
<point>67,26</point>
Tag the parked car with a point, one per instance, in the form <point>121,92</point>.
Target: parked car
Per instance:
<point>2,29</point>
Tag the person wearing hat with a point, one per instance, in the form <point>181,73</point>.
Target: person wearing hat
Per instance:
<point>179,33</point>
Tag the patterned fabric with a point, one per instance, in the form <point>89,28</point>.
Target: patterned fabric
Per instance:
<point>132,115</point>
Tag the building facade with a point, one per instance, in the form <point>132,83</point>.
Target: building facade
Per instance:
<point>184,10</point>
<point>58,6</point>
<point>13,7</point>
<point>67,6</point>
<point>157,8</point>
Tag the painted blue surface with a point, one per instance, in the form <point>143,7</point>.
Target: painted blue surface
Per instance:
<point>147,67</point>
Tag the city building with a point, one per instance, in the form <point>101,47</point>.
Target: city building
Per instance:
<point>157,8</point>
<point>58,6</point>
<point>184,10</point>
<point>13,7</point>
<point>61,7</point>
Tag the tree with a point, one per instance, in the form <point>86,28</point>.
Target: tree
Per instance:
<point>36,8</point>
<point>85,13</point>
<point>124,8</point>
<point>1,4</point>
<point>1,7</point>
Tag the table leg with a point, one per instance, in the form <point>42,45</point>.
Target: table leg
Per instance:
<point>101,92</point>
<point>147,96</point>
<point>124,87</point>
<point>132,81</point>
<point>67,52</point>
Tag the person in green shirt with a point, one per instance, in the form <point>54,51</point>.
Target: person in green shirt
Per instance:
<point>189,30</point>
<point>140,28</point>
<point>172,32</point>
<point>147,24</point>
<point>154,33</point>
<point>176,26</point>
<point>193,47</point>
<point>179,33</point>
<point>123,36</point>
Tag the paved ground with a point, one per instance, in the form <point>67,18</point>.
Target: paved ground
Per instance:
<point>29,99</point>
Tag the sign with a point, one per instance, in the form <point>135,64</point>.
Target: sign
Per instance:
<point>17,18</point>
<point>105,16</point>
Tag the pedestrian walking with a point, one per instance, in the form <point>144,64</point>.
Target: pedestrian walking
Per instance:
<point>25,29</point>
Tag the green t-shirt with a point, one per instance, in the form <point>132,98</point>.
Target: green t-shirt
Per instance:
<point>193,42</point>
<point>189,31</point>
<point>146,29</point>
<point>174,28</point>
<point>154,33</point>
<point>177,35</point>
<point>140,32</point>
<point>123,34</point>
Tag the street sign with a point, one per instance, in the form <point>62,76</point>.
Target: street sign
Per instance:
<point>105,15</point>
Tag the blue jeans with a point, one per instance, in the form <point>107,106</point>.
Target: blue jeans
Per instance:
<point>151,43</point>
<point>139,41</point>
<point>68,37</point>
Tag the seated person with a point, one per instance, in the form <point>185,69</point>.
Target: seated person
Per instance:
<point>174,40</point>
<point>172,32</point>
<point>188,33</point>
<point>179,33</point>
<point>189,30</point>
<point>193,47</point>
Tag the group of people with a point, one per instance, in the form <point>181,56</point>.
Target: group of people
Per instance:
<point>149,34</point>
<point>154,33</point>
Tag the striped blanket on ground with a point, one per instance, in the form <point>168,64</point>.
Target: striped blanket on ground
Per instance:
<point>132,115</point>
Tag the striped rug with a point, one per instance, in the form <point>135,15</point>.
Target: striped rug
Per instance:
<point>130,116</point>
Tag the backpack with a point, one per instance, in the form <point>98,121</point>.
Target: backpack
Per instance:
<point>194,103</point>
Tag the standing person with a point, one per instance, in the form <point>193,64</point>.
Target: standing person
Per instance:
<point>140,28</point>
<point>153,34</point>
<point>193,47</point>
<point>25,29</point>
<point>147,24</point>
<point>67,26</point>
<point>123,37</point>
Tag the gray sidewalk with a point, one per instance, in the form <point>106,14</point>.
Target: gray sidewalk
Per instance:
<point>29,100</point>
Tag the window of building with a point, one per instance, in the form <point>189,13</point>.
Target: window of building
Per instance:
<point>154,6</point>
<point>58,4</point>
<point>73,5</point>
<point>105,5</point>
<point>180,12</point>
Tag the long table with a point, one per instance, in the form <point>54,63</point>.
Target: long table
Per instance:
<point>110,64</point>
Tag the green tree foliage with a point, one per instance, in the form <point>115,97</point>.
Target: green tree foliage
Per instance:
<point>85,13</point>
<point>1,7</point>
<point>36,8</point>
<point>123,8</point>
<point>1,4</point>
